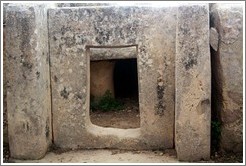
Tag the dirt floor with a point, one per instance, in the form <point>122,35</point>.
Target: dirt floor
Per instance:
<point>106,156</point>
<point>121,156</point>
<point>126,118</point>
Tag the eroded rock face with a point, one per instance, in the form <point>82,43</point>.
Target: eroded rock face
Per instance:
<point>193,83</point>
<point>228,60</point>
<point>28,86</point>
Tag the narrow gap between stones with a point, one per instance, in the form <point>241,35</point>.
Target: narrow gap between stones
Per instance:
<point>216,104</point>
<point>216,95</point>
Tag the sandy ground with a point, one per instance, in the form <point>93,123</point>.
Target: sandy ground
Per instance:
<point>106,156</point>
<point>124,119</point>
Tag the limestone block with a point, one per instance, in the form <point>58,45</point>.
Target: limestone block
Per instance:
<point>27,76</point>
<point>228,21</point>
<point>152,31</point>
<point>113,53</point>
<point>193,83</point>
<point>5,120</point>
<point>82,4</point>
<point>4,12</point>
<point>101,77</point>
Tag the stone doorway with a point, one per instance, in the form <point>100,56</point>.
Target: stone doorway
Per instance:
<point>114,93</point>
<point>49,80</point>
<point>75,43</point>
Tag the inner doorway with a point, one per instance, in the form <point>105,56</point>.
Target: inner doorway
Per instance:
<point>114,93</point>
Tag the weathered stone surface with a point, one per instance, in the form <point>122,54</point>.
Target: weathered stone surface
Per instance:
<point>152,30</point>
<point>4,12</point>
<point>82,4</point>
<point>192,110</point>
<point>113,53</point>
<point>5,120</point>
<point>227,19</point>
<point>101,78</point>
<point>28,86</point>
<point>214,38</point>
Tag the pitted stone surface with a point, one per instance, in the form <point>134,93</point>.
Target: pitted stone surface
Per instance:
<point>192,110</point>
<point>28,86</point>
<point>152,30</point>
<point>113,53</point>
<point>214,38</point>
<point>228,20</point>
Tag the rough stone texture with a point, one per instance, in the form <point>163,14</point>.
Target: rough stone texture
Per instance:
<point>153,30</point>
<point>214,38</point>
<point>113,53</point>
<point>101,73</point>
<point>5,120</point>
<point>228,61</point>
<point>4,12</point>
<point>80,34</point>
<point>82,4</point>
<point>28,85</point>
<point>192,110</point>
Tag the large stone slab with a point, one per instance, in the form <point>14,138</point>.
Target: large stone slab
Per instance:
<point>72,32</point>
<point>193,83</point>
<point>101,78</point>
<point>227,19</point>
<point>28,85</point>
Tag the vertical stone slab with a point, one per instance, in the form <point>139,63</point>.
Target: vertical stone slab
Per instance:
<point>71,33</point>
<point>70,76</point>
<point>28,85</point>
<point>193,83</point>
<point>156,55</point>
<point>227,19</point>
<point>5,120</point>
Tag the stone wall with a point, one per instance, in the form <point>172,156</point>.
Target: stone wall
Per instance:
<point>227,57</point>
<point>171,45</point>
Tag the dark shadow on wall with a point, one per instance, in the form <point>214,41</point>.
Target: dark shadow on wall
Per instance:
<point>216,105</point>
<point>126,78</point>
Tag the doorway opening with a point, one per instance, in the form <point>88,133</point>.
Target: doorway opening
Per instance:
<point>114,93</point>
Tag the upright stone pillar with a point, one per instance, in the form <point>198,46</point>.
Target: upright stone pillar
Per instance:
<point>227,19</point>
<point>193,83</point>
<point>28,85</point>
